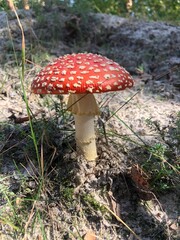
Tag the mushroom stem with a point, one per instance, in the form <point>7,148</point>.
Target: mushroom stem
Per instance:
<point>84,108</point>
<point>85,136</point>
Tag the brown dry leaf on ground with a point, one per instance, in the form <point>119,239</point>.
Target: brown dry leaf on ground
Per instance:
<point>140,179</point>
<point>90,235</point>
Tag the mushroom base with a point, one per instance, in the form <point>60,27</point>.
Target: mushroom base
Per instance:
<point>85,136</point>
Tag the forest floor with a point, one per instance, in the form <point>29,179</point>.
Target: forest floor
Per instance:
<point>136,177</point>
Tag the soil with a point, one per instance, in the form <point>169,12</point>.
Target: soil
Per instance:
<point>135,121</point>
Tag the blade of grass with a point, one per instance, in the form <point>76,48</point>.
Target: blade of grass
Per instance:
<point>42,155</point>
<point>40,220</point>
<point>7,222</point>
<point>28,221</point>
<point>114,114</point>
<point>15,215</point>
<point>22,84</point>
<point>121,221</point>
<point>103,204</point>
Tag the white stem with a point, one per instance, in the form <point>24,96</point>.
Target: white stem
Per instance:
<point>84,108</point>
<point>85,136</point>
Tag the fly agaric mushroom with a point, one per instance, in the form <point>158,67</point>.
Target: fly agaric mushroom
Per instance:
<point>81,75</point>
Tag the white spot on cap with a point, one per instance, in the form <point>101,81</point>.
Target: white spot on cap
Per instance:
<point>113,75</point>
<point>44,84</point>
<point>115,83</point>
<point>84,72</point>
<point>50,86</point>
<point>107,76</point>
<point>59,85</point>
<point>97,70</point>
<point>80,77</point>
<point>108,87</point>
<point>61,79</point>
<point>76,85</point>
<point>71,91</point>
<point>71,78</point>
<point>82,67</point>
<point>37,80</point>
<point>89,89</point>
<point>67,85</point>
<point>94,77</point>
<point>42,79</point>
<point>89,82</point>
<point>97,60</point>
<point>53,79</point>
<point>63,72</point>
<point>73,72</point>
<point>91,68</point>
<point>70,66</point>
<point>113,68</point>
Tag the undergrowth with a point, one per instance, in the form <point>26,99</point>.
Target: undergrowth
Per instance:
<point>160,160</point>
<point>30,192</point>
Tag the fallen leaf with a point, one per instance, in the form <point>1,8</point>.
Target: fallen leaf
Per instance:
<point>140,180</point>
<point>173,226</point>
<point>90,235</point>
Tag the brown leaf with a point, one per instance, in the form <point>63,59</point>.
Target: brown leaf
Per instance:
<point>90,235</point>
<point>174,226</point>
<point>140,179</point>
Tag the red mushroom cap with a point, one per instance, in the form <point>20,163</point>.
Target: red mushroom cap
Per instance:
<point>81,73</point>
